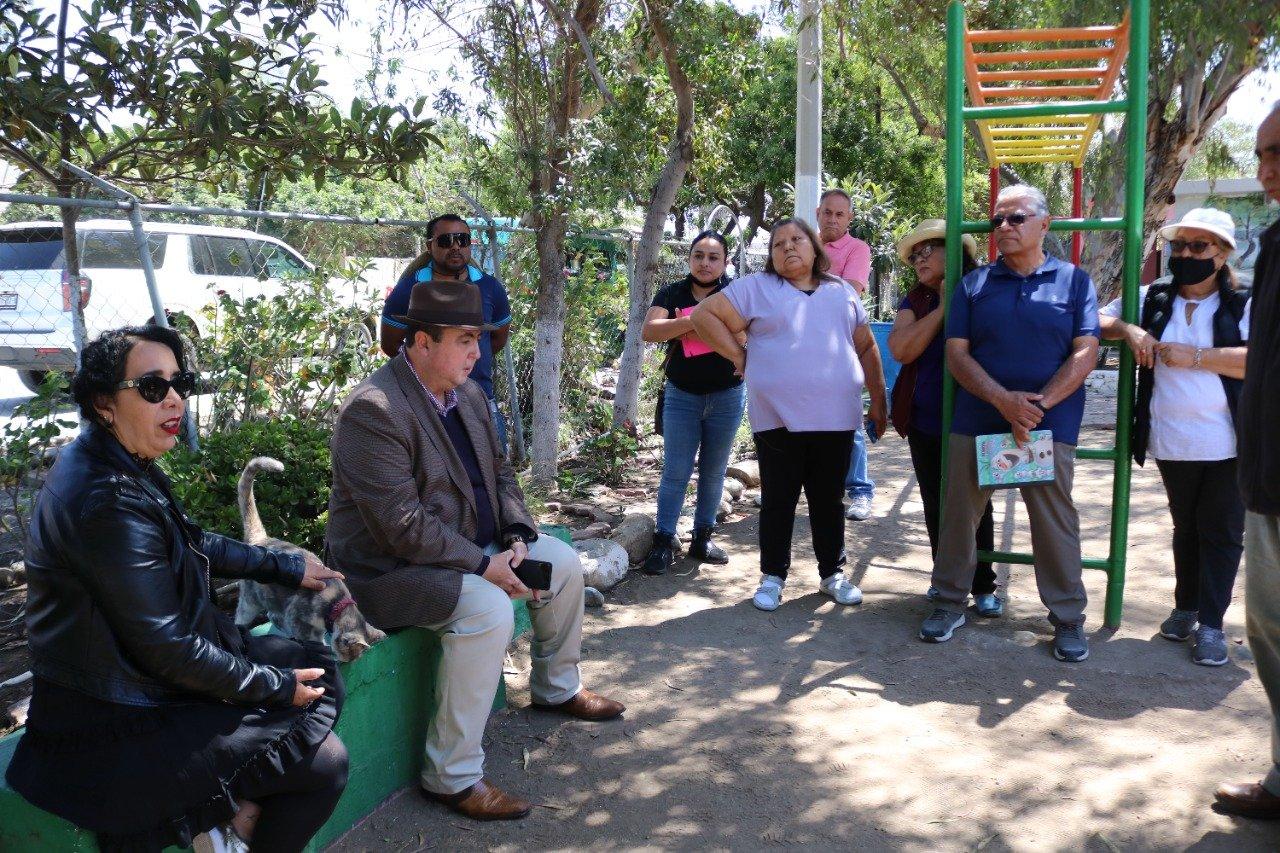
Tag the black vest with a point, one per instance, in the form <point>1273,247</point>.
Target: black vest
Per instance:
<point>1157,309</point>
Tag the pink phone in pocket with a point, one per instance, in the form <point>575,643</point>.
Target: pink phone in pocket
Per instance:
<point>695,347</point>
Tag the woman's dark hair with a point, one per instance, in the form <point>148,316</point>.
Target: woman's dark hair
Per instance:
<point>710,234</point>
<point>821,263</point>
<point>103,361</point>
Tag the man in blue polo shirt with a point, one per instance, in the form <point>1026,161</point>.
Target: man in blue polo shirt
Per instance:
<point>1022,335</point>
<point>448,257</point>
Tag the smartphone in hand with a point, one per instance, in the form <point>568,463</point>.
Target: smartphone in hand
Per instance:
<point>535,574</point>
<point>872,433</point>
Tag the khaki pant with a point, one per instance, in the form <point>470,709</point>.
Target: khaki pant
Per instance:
<point>1262,619</point>
<point>475,639</point>
<point>1055,533</point>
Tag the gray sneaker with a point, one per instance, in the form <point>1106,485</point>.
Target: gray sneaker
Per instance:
<point>940,625</point>
<point>1069,643</point>
<point>1210,647</point>
<point>859,508</point>
<point>1180,625</point>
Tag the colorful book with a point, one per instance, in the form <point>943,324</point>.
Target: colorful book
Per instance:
<point>693,346</point>
<point>1002,464</point>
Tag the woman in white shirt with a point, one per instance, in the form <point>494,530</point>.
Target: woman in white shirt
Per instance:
<point>1190,345</point>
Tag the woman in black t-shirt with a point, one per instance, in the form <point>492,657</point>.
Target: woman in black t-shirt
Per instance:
<point>701,406</point>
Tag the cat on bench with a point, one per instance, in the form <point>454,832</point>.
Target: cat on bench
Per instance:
<point>301,614</point>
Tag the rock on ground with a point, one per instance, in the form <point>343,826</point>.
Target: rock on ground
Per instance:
<point>745,470</point>
<point>733,488</point>
<point>604,562</point>
<point>635,535</point>
<point>592,597</point>
<point>595,530</point>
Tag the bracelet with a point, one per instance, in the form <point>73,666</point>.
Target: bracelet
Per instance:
<point>1195,362</point>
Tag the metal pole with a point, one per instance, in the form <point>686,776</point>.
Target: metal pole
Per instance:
<point>148,270</point>
<point>993,180</point>
<point>809,111</point>
<point>1134,197</point>
<point>515,427</point>
<point>1077,212</point>
<point>955,204</point>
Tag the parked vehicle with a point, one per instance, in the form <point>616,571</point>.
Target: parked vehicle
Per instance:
<point>193,265</point>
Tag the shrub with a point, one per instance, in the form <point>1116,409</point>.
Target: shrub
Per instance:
<point>293,505</point>
<point>25,441</point>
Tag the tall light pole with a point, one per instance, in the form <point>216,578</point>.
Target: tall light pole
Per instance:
<point>809,111</point>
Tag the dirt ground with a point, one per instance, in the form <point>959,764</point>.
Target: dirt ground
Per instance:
<point>834,727</point>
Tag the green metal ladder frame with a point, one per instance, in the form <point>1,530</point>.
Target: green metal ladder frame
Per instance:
<point>1134,106</point>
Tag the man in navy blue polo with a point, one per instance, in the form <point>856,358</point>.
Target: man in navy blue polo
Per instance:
<point>448,257</point>
<point>1022,335</point>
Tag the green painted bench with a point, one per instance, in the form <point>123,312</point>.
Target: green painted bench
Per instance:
<point>390,701</point>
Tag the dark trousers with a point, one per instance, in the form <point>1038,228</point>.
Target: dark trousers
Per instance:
<point>1208,534</point>
<point>926,459</point>
<point>816,462</point>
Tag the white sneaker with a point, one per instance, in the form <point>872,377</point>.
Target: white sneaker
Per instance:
<point>859,508</point>
<point>838,587</point>
<point>769,594</point>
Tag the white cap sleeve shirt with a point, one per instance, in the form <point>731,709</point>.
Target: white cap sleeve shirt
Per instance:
<point>1190,419</point>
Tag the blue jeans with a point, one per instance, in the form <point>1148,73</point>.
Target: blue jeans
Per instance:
<point>500,424</point>
<point>856,482</point>
<point>690,422</point>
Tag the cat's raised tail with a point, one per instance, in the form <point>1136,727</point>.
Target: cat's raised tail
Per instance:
<point>254,532</point>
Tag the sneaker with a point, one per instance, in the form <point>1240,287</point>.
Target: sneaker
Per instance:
<point>769,594</point>
<point>1180,625</point>
<point>662,555</point>
<point>989,605</point>
<point>838,587</point>
<point>704,550</point>
<point>940,625</point>
<point>1069,643</point>
<point>859,508</point>
<point>932,593</point>
<point>1210,647</point>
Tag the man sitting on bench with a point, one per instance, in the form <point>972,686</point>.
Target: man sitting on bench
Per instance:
<point>427,522</point>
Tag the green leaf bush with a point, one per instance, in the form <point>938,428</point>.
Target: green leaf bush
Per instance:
<point>294,504</point>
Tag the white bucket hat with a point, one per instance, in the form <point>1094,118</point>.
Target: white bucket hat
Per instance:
<point>1216,222</point>
<point>933,229</point>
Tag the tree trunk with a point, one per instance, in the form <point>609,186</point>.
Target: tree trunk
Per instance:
<point>1171,143</point>
<point>640,288</point>
<point>548,352</point>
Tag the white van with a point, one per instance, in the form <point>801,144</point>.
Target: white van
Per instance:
<point>193,265</point>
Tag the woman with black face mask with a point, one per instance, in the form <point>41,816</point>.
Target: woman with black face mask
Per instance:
<point>1190,345</point>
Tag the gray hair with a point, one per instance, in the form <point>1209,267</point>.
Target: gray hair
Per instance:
<point>1039,203</point>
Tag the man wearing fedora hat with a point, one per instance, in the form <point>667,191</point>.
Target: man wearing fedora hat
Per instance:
<point>427,522</point>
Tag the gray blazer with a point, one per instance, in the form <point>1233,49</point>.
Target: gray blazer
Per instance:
<point>402,511</point>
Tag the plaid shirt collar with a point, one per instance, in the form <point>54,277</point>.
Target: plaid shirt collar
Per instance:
<point>450,399</point>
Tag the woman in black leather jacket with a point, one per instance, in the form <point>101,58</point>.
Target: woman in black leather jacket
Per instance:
<point>153,718</point>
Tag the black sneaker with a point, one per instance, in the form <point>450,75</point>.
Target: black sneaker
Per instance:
<point>704,550</point>
<point>662,555</point>
<point>1180,625</point>
<point>940,625</point>
<point>1210,648</point>
<point>1069,643</point>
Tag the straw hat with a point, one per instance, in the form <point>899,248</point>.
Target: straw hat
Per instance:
<point>933,229</point>
<point>1217,222</point>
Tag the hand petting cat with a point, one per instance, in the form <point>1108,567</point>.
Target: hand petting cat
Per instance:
<point>317,573</point>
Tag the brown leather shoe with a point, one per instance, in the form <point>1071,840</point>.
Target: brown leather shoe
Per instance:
<point>482,801</point>
<point>586,706</point>
<point>1248,799</point>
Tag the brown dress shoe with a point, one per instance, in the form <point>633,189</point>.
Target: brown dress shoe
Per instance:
<point>587,706</point>
<point>1248,799</point>
<point>482,801</point>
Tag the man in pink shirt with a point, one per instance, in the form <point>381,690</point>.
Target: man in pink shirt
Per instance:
<point>851,260</point>
<point>850,257</point>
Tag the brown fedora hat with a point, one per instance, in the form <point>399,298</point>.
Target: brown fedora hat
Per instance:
<point>445,303</point>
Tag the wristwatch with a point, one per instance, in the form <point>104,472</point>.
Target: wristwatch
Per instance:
<point>1195,362</point>
<point>1039,406</point>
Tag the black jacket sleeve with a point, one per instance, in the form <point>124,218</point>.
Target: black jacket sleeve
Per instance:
<point>125,557</point>
<point>231,558</point>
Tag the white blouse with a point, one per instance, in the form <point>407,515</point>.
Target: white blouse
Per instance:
<point>1190,418</point>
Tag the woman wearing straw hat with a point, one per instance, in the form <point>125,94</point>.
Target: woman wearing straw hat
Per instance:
<point>917,343</point>
<point>1190,346</point>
